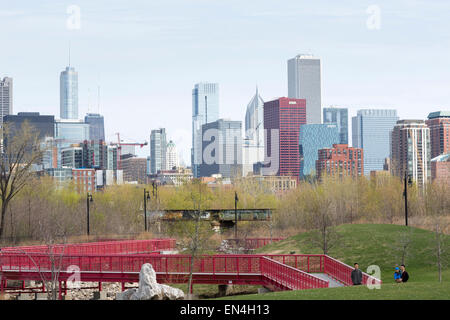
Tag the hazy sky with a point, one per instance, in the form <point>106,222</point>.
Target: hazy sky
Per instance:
<point>147,55</point>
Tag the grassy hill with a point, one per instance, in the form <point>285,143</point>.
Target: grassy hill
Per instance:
<point>373,244</point>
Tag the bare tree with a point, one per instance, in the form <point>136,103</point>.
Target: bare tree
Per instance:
<point>20,150</point>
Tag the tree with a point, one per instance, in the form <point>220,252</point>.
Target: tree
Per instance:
<point>437,206</point>
<point>20,150</point>
<point>194,235</point>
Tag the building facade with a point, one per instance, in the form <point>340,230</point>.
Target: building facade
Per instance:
<point>135,170</point>
<point>314,137</point>
<point>340,159</point>
<point>72,157</point>
<point>440,169</point>
<point>68,92</point>
<point>171,156</point>
<point>158,149</point>
<point>253,145</point>
<point>370,131</point>
<point>338,116</point>
<point>84,180</point>
<point>43,125</point>
<point>221,149</point>
<point>305,82</point>
<point>411,151</point>
<point>439,124</point>
<point>282,120</point>
<point>6,97</point>
<point>205,109</point>
<point>96,124</point>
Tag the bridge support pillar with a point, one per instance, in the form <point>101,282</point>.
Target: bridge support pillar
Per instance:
<point>100,286</point>
<point>223,289</point>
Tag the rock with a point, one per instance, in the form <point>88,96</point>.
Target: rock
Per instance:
<point>149,289</point>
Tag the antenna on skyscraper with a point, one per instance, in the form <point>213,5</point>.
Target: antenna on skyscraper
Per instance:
<point>69,54</point>
<point>98,100</point>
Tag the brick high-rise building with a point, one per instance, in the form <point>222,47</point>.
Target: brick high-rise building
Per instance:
<point>439,124</point>
<point>411,151</point>
<point>284,115</point>
<point>340,159</point>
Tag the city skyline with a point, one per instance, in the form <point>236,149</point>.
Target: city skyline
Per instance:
<point>369,68</point>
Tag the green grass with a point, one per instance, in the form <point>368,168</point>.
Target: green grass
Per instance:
<point>372,244</point>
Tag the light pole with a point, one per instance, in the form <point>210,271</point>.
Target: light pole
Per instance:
<point>236,199</point>
<point>407,181</point>
<point>88,200</point>
<point>146,197</point>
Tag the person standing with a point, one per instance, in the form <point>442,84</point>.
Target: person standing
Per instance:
<point>397,275</point>
<point>356,275</point>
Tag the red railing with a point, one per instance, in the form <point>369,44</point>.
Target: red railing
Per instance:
<point>342,272</point>
<point>105,247</point>
<point>304,262</point>
<point>289,277</point>
<point>252,243</point>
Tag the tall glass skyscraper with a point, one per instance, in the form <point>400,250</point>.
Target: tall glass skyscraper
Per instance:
<point>158,145</point>
<point>205,109</point>
<point>96,126</point>
<point>338,116</point>
<point>223,150</point>
<point>253,146</point>
<point>314,137</point>
<point>305,82</point>
<point>371,129</point>
<point>68,93</point>
<point>6,97</point>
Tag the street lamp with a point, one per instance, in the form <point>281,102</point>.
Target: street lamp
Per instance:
<point>88,200</point>
<point>407,181</point>
<point>236,199</point>
<point>146,197</point>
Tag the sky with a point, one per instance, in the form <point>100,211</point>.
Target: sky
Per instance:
<point>146,56</point>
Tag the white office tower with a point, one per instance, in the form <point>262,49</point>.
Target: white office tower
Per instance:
<point>253,144</point>
<point>305,82</point>
<point>171,156</point>
<point>205,109</point>
<point>68,94</point>
<point>6,97</point>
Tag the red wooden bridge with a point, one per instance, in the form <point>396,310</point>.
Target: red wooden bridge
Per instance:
<point>121,261</point>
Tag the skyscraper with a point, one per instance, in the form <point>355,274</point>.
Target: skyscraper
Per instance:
<point>171,156</point>
<point>96,126</point>
<point>282,120</point>
<point>68,93</point>
<point>222,149</point>
<point>314,137</point>
<point>305,82</point>
<point>439,124</point>
<point>158,145</point>
<point>338,116</point>
<point>253,147</point>
<point>205,109</point>
<point>411,150</point>
<point>6,97</point>
<point>370,131</point>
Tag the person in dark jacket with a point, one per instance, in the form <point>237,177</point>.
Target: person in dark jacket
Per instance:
<point>405,275</point>
<point>356,275</point>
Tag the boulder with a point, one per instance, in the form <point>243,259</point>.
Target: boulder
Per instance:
<point>149,289</point>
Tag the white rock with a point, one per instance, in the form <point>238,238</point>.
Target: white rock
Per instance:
<point>149,289</point>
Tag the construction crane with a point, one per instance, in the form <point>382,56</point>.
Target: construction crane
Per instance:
<point>119,145</point>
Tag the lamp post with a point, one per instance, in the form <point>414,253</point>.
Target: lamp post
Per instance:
<point>88,200</point>
<point>236,199</point>
<point>146,197</point>
<point>407,181</point>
